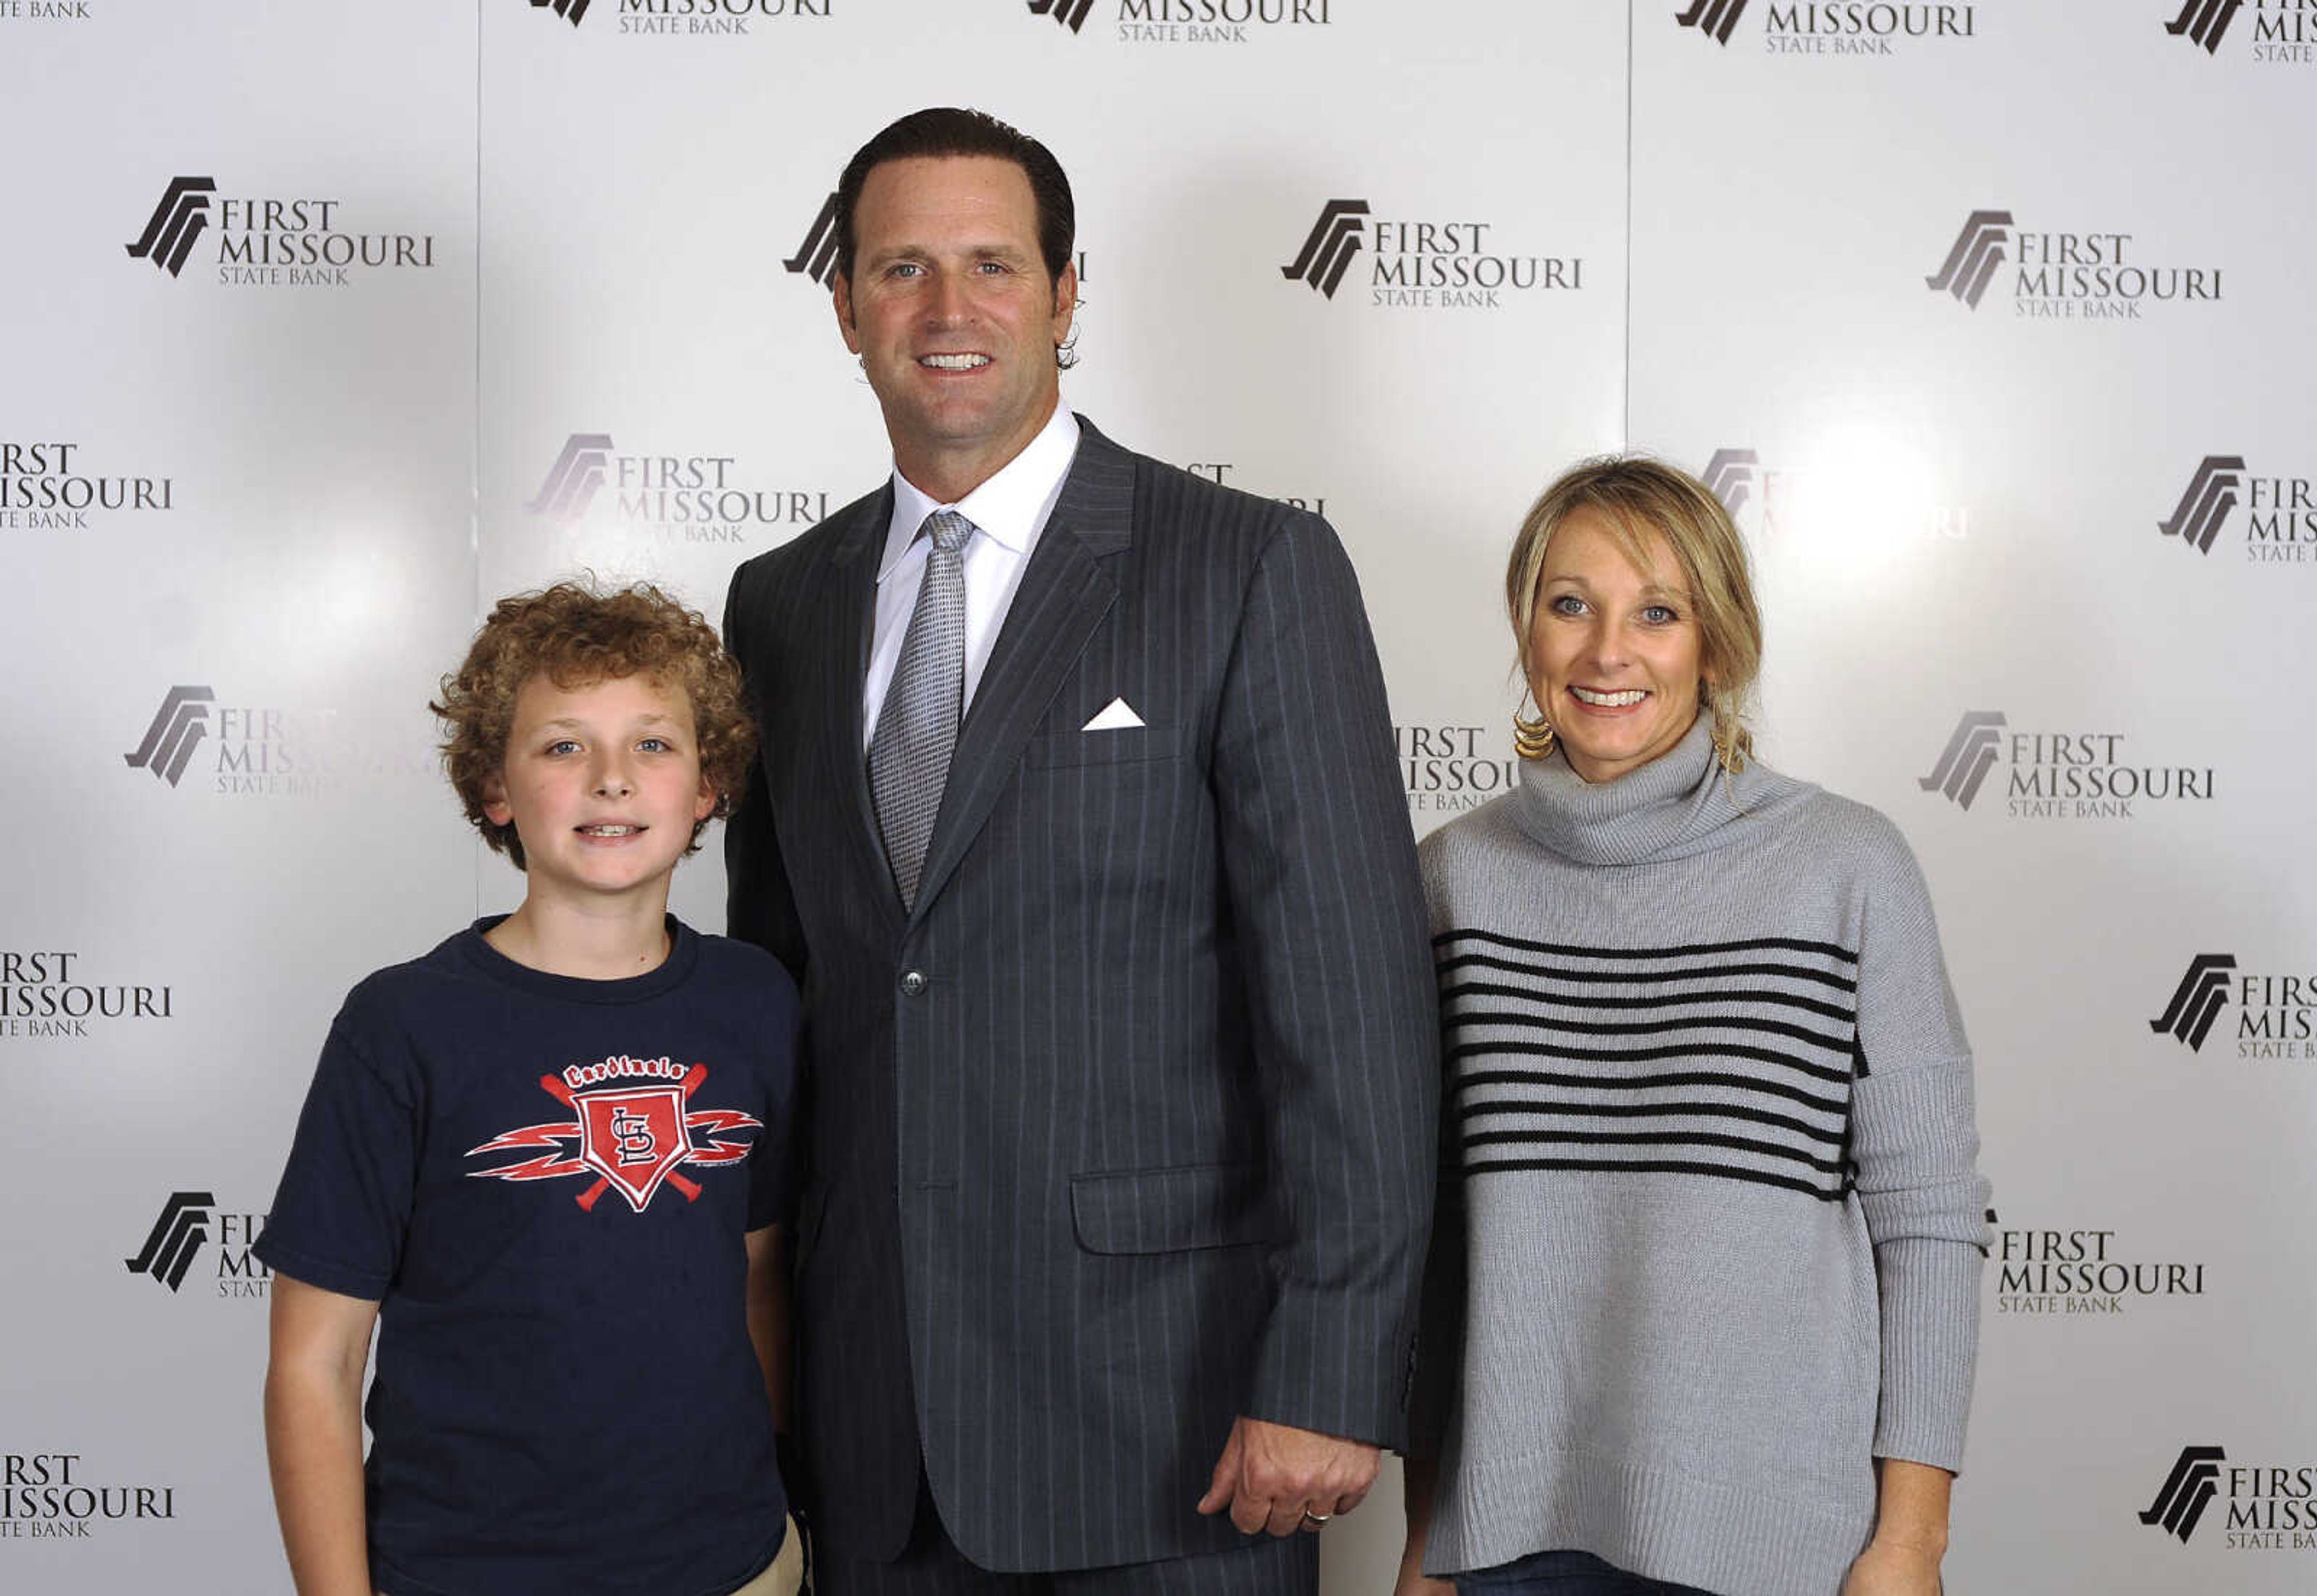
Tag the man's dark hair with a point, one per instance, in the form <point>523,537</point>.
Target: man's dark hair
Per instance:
<point>945,130</point>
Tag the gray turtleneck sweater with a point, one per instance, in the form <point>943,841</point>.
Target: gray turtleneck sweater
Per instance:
<point>1709,1221</point>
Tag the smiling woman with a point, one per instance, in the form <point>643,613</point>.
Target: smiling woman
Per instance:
<point>1707,1119</point>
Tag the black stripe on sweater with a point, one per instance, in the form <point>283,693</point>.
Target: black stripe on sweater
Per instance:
<point>1554,1138</point>
<point>1735,1050</point>
<point>1662,1028</point>
<point>1843,984</point>
<point>1832,1136</point>
<point>1679,950</point>
<point>1474,988</point>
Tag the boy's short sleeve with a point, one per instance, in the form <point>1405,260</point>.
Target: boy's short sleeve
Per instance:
<point>773,1165</point>
<point>344,1205</point>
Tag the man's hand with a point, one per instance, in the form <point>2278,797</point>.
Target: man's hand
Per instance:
<point>1271,1476</point>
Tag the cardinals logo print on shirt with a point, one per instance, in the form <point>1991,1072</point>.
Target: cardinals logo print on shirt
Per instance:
<point>633,1137</point>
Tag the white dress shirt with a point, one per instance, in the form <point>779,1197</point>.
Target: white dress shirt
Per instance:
<point>1009,514</point>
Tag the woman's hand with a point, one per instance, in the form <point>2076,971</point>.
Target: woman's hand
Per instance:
<point>1412,1580</point>
<point>1420,1478</point>
<point>1910,1532</point>
<point>1887,1568</point>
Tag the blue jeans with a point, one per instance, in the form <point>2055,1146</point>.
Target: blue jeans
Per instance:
<point>1564,1573</point>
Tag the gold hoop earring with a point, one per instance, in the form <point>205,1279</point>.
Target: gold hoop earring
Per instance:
<point>1532,736</point>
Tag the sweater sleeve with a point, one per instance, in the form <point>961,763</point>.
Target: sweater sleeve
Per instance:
<point>1914,1143</point>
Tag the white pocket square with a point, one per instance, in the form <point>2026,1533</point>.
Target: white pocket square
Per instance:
<point>1116,717</point>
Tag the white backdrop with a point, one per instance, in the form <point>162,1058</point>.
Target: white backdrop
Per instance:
<point>475,293</point>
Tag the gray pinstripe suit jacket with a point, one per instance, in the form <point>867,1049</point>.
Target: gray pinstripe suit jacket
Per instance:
<point>1129,1127</point>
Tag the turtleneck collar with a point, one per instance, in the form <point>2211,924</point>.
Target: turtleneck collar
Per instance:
<point>1678,804</point>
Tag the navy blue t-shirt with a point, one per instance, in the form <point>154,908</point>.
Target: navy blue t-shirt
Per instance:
<point>544,1183</point>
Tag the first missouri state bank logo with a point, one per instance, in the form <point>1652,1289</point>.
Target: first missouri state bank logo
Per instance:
<point>299,240</point>
<point>669,17</point>
<point>1731,477</point>
<point>2187,1491</point>
<point>572,480</point>
<point>177,731</point>
<point>2057,775</point>
<point>816,257</point>
<point>2282,30</point>
<point>1835,27</point>
<point>677,496</point>
<point>1964,762</point>
<point>635,1138</point>
<point>235,749</point>
<point>1713,18</point>
<point>1329,247</point>
<point>2196,1003</point>
<point>1977,250</point>
<point>2074,274</point>
<point>2276,1011</point>
<point>2204,23</point>
<point>188,1223</point>
<point>177,224</point>
<point>2265,1507</point>
<point>2280,511</point>
<point>1189,22</point>
<point>1422,264</point>
<point>175,1239</point>
<point>2212,494</point>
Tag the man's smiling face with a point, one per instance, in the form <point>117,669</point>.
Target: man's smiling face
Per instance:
<point>955,321</point>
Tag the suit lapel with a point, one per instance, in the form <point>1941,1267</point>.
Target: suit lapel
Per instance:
<point>845,604</point>
<point>1070,583</point>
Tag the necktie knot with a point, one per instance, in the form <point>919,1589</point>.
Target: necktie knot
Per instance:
<point>949,530</point>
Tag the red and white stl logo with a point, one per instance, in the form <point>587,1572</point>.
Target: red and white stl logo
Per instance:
<point>634,1138</point>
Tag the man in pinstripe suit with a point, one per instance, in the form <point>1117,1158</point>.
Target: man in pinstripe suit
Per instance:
<point>1078,821</point>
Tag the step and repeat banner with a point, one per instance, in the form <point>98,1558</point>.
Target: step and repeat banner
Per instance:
<point>326,324</point>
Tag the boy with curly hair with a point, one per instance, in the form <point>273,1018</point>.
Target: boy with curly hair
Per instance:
<point>545,1160</point>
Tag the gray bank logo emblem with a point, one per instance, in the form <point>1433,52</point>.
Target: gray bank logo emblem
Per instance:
<point>1070,13</point>
<point>2197,1003</point>
<point>1970,754</point>
<point>176,1237</point>
<point>1713,18</point>
<point>2212,494</point>
<point>2188,1489</point>
<point>816,257</point>
<point>177,730</point>
<point>572,10</point>
<point>573,478</point>
<point>1328,252</point>
<point>181,218</point>
<point>2206,22</point>
<point>1732,475</point>
<point>1977,250</point>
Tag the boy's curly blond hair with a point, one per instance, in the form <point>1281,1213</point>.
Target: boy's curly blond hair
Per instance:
<point>576,635</point>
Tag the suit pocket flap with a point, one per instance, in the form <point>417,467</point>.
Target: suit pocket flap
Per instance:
<point>1173,1210</point>
<point>1127,744</point>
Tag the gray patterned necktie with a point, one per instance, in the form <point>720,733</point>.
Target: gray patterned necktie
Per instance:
<point>917,728</point>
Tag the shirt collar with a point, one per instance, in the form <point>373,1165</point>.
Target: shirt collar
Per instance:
<point>1009,508</point>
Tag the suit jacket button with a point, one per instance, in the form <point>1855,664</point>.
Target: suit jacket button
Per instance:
<point>913,983</point>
